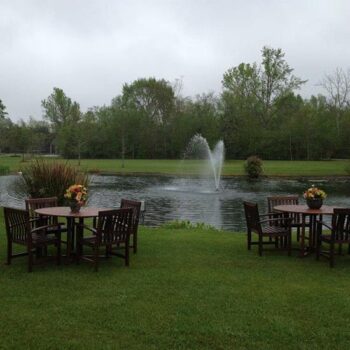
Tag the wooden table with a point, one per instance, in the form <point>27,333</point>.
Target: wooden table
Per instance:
<point>88,212</point>
<point>305,211</point>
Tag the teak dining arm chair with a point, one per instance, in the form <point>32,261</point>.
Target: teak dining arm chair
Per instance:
<point>338,234</point>
<point>112,231</point>
<point>20,231</point>
<point>136,208</point>
<point>37,203</point>
<point>277,228</point>
<point>273,201</point>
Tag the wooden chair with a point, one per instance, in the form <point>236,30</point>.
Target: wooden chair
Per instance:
<point>36,203</point>
<point>20,231</point>
<point>339,234</point>
<point>272,228</point>
<point>136,206</point>
<point>273,201</point>
<point>112,231</point>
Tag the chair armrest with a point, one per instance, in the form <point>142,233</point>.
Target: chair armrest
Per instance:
<point>91,229</point>
<point>45,227</point>
<point>322,223</point>
<point>277,219</point>
<point>270,214</point>
<point>34,219</point>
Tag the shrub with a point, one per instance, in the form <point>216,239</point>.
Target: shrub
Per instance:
<point>47,179</point>
<point>253,167</point>
<point>4,170</point>
<point>187,225</point>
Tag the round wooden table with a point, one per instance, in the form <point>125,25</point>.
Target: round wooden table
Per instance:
<point>305,211</point>
<point>85,212</point>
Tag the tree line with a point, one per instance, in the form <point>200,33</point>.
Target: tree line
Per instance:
<point>258,112</point>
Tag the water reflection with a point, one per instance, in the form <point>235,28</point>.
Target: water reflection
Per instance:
<point>169,198</point>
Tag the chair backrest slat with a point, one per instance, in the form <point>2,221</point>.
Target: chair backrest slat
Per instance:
<point>273,201</point>
<point>252,217</point>
<point>36,203</point>
<point>114,226</point>
<point>17,225</point>
<point>341,224</point>
<point>136,207</point>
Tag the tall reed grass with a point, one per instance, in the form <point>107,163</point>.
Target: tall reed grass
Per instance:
<point>47,179</point>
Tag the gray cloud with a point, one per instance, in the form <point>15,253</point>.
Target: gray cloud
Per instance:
<point>91,48</point>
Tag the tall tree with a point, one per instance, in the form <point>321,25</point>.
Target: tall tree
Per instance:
<point>260,87</point>
<point>155,100</point>
<point>3,112</point>
<point>64,116</point>
<point>337,86</point>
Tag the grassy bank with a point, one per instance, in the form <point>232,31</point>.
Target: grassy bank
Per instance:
<point>231,167</point>
<point>185,289</point>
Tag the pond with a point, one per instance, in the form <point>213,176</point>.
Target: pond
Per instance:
<point>194,199</point>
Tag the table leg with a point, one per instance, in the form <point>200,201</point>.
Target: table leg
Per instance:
<point>70,236</point>
<point>79,236</point>
<point>302,237</point>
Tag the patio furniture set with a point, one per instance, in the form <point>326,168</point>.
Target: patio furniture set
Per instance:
<point>37,227</point>
<point>285,214</point>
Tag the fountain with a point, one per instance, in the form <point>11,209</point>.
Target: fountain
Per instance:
<point>198,146</point>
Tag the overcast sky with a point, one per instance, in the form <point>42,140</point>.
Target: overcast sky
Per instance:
<point>90,48</point>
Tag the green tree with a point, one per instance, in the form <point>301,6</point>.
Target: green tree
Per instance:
<point>154,100</point>
<point>337,86</point>
<point>260,87</point>
<point>251,98</point>
<point>64,116</point>
<point>3,112</point>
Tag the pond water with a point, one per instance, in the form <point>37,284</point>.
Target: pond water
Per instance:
<point>194,199</point>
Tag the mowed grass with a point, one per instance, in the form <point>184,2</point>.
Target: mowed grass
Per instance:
<point>185,289</point>
<point>189,167</point>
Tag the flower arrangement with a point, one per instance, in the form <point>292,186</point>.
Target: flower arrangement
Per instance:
<point>314,193</point>
<point>76,193</point>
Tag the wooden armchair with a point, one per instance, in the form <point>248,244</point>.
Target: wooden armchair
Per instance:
<point>19,230</point>
<point>273,201</point>
<point>338,234</point>
<point>112,231</point>
<point>136,207</point>
<point>36,203</point>
<point>275,228</point>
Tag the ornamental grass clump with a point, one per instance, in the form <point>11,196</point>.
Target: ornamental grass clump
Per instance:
<point>49,179</point>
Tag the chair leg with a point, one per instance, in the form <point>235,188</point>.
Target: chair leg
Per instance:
<point>289,242</point>
<point>135,242</point>
<point>298,234</point>
<point>318,248</point>
<point>59,252</point>
<point>79,253</point>
<point>96,254</point>
<point>9,252</point>
<point>30,260</point>
<point>331,255</point>
<point>127,254</point>
<point>249,240</point>
<point>260,245</point>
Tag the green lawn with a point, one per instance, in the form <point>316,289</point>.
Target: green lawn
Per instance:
<point>185,289</point>
<point>231,167</point>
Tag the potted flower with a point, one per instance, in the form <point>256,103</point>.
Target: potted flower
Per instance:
<point>76,196</point>
<point>314,197</point>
